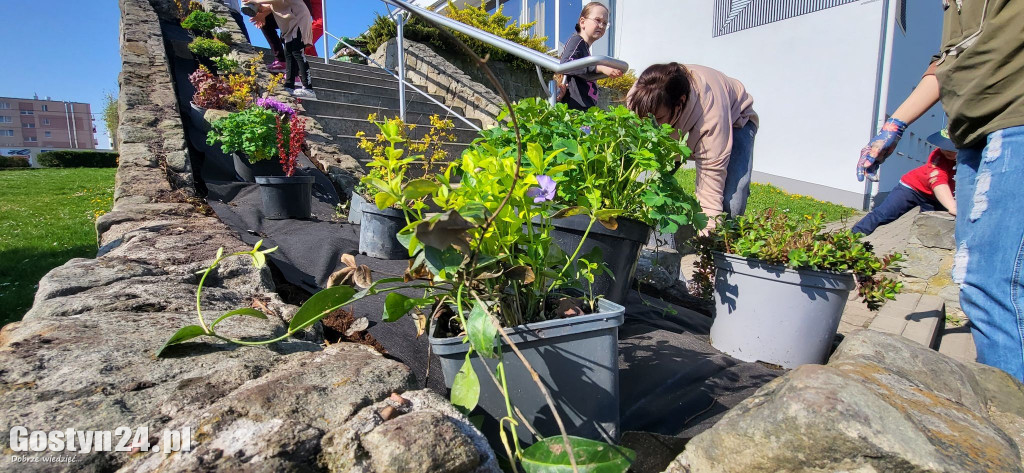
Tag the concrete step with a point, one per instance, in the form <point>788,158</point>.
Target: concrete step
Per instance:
<point>327,108</point>
<point>958,343</point>
<point>356,78</point>
<point>353,69</point>
<point>387,102</point>
<point>916,317</point>
<point>339,126</point>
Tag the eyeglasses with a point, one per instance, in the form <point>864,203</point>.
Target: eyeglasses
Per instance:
<point>600,22</point>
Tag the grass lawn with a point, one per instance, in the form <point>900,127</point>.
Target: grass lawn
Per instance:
<point>46,218</point>
<point>764,196</point>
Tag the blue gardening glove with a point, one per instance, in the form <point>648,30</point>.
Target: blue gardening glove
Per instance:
<point>879,148</point>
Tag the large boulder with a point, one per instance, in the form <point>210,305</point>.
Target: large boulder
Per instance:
<point>881,404</point>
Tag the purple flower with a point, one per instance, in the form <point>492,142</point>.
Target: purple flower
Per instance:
<point>545,192</point>
<point>585,129</point>
<point>271,104</point>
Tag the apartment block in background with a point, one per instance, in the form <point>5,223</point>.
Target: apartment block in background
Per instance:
<point>53,124</point>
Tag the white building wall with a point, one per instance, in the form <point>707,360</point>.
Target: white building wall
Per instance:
<point>911,52</point>
<point>813,78</point>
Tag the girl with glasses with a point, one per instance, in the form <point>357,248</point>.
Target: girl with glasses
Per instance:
<point>575,91</point>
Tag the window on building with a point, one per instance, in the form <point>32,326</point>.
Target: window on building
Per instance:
<point>5,106</point>
<point>738,15</point>
<point>6,119</point>
<point>28,125</point>
<point>568,17</point>
<point>6,132</point>
<point>46,121</point>
<point>45,109</point>
<point>47,134</point>
<point>27,112</point>
<point>30,139</point>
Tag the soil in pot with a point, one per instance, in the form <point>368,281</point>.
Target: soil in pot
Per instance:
<point>576,358</point>
<point>620,250</point>
<point>248,171</point>
<point>774,314</point>
<point>286,197</point>
<point>378,233</point>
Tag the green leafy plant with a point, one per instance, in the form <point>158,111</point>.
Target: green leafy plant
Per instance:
<point>798,243</point>
<point>384,29</point>
<point>208,48</point>
<point>223,35</point>
<point>614,163</point>
<point>202,22</point>
<point>110,117</point>
<point>225,64</point>
<point>620,85</point>
<point>252,131</point>
<point>14,162</point>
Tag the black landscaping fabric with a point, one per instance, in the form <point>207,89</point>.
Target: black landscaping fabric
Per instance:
<point>673,383</point>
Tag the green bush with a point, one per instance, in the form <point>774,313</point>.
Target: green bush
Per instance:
<point>78,159</point>
<point>497,23</point>
<point>207,48</point>
<point>252,131</point>
<point>13,162</point>
<point>223,36</point>
<point>202,22</point>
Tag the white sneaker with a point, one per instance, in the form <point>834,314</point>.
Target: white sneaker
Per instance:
<point>304,93</point>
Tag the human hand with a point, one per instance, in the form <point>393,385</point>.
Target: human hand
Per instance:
<point>609,71</point>
<point>880,147</point>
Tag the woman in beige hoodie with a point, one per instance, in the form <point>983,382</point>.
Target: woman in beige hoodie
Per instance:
<point>716,115</point>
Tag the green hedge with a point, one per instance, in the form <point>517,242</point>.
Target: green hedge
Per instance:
<point>13,162</point>
<point>78,159</point>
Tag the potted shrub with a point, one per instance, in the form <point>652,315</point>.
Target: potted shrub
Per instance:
<point>616,164</point>
<point>202,23</point>
<point>390,195</point>
<point>780,285</point>
<point>211,92</point>
<point>205,49</point>
<point>250,136</point>
<point>287,196</point>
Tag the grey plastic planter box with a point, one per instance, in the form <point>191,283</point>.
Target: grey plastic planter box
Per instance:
<point>355,208</point>
<point>620,250</point>
<point>771,313</point>
<point>576,358</point>
<point>378,233</point>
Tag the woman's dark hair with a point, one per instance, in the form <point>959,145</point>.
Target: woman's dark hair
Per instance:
<point>658,85</point>
<point>586,11</point>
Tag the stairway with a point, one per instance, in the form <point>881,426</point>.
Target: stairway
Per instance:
<point>347,93</point>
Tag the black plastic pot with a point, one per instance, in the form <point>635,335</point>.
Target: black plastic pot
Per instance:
<point>576,358</point>
<point>378,233</point>
<point>620,249</point>
<point>247,171</point>
<point>198,116</point>
<point>286,197</point>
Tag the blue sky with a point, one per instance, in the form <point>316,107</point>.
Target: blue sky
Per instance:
<point>68,49</point>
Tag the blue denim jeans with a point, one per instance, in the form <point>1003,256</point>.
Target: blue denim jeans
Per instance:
<point>990,247</point>
<point>901,200</point>
<point>739,169</point>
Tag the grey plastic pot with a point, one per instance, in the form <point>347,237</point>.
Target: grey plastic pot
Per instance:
<point>576,359</point>
<point>620,249</point>
<point>355,208</point>
<point>286,197</point>
<point>198,116</point>
<point>771,313</point>
<point>378,233</point>
<point>247,171</point>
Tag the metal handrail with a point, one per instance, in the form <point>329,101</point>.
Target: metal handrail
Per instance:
<point>403,81</point>
<point>515,49</point>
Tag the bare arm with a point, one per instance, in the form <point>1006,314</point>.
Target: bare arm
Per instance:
<point>924,96</point>
<point>945,197</point>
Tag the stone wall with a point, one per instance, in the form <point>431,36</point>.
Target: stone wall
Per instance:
<point>929,259</point>
<point>83,356</point>
<point>460,83</point>
<point>882,403</point>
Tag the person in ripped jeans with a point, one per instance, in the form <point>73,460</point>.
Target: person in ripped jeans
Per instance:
<point>979,75</point>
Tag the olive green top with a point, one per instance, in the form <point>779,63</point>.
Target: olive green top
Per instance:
<point>982,86</point>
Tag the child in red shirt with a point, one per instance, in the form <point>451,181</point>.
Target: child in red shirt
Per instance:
<point>929,187</point>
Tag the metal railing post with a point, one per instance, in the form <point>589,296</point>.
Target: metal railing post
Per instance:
<point>400,21</point>
<point>552,91</point>
<point>323,14</point>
